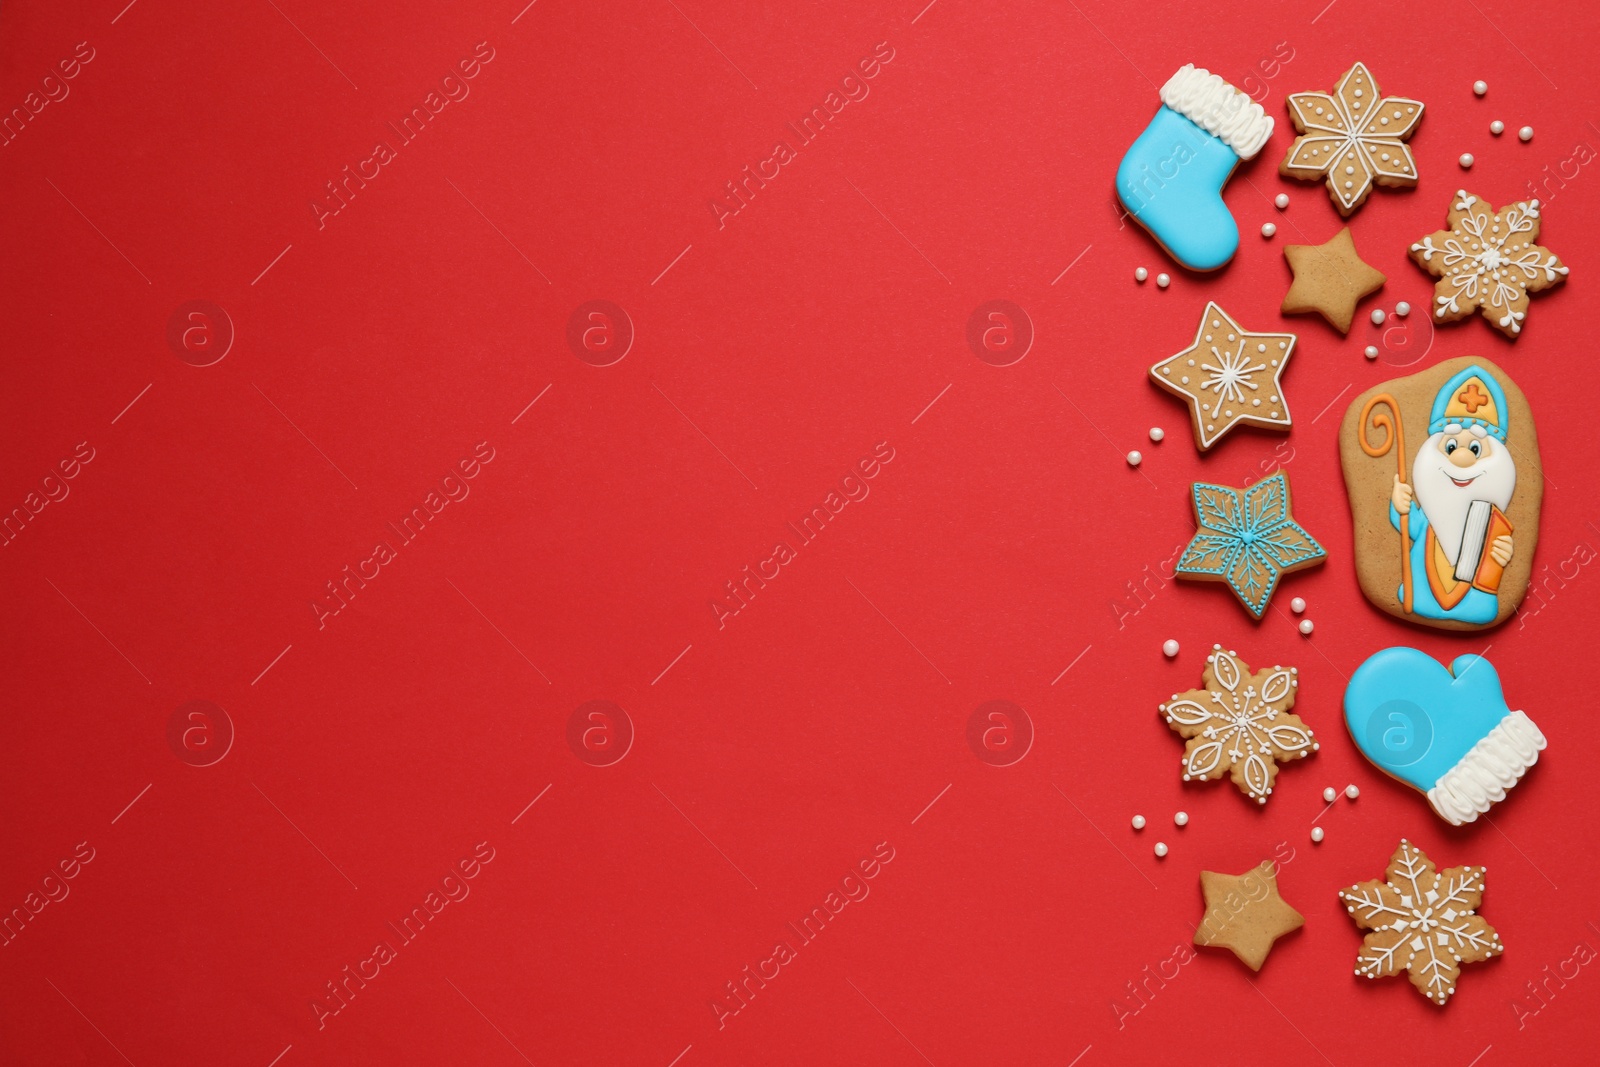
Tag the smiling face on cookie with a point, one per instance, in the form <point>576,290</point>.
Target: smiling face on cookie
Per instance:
<point>1454,467</point>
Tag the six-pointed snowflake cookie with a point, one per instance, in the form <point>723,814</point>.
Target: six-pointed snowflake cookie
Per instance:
<point>1354,137</point>
<point>1239,724</point>
<point>1488,261</point>
<point>1422,921</point>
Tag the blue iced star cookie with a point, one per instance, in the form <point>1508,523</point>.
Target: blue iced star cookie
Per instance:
<point>1247,538</point>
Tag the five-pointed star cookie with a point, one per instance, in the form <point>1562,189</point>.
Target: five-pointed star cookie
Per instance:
<point>1247,538</point>
<point>1354,137</point>
<point>1239,724</point>
<point>1245,914</point>
<point>1229,376</point>
<point>1422,921</point>
<point>1487,261</point>
<point>1329,279</point>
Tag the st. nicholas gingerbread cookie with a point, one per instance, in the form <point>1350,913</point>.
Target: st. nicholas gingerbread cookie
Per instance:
<point>1488,261</point>
<point>1445,534</point>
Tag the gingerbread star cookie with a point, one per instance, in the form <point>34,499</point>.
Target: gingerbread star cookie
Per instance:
<point>1329,279</point>
<point>1239,724</point>
<point>1422,921</point>
<point>1488,261</point>
<point>1352,137</point>
<point>1229,376</point>
<point>1247,538</point>
<point>1245,914</point>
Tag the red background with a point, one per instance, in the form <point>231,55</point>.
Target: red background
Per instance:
<point>771,354</point>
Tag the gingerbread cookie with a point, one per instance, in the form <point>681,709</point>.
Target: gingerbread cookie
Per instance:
<point>1444,536</point>
<point>1353,137</point>
<point>1239,724</point>
<point>1247,538</point>
<point>1172,177</point>
<point>1448,734</point>
<point>1329,279</point>
<point>1229,376</point>
<point>1422,921</point>
<point>1245,914</point>
<point>1488,261</point>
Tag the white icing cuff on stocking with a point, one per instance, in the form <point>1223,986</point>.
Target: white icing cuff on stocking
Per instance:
<point>1211,103</point>
<point>1483,775</point>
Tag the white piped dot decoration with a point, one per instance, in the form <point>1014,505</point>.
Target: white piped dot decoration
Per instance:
<point>1169,648</point>
<point>1157,433</point>
<point>1268,229</point>
<point>1138,822</point>
<point>1526,133</point>
<point>1480,87</point>
<point>1140,274</point>
<point>1378,316</point>
<point>1466,161</point>
<point>1181,819</point>
<point>1161,849</point>
<point>1316,835</point>
<point>1282,200</point>
<point>1163,280</point>
<point>1306,626</point>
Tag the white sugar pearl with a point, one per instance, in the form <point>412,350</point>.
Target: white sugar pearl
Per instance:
<point>1497,127</point>
<point>1157,433</point>
<point>1161,848</point>
<point>1169,648</point>
<point>1526,133</point>
<point>1140,274</point>
<point>1378,316</point>
<point>1371,352</point>
<point>1466,160</point>
<point>1181,819</point>
<point>1282,200</point>
<point>1351,791</point>
<point>1297,605</point>
<point>1164,281</point>
<point>1480,87</point>
<point>1138,822</point>
<point>1329,793</point>
<point>1306,627</point>
<point>1268,229</point>
<point>1402,309</point>
<point>1134,458</point>
<point>1316,834</point>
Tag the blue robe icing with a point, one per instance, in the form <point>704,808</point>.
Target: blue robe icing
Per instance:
<point>1476,607</point>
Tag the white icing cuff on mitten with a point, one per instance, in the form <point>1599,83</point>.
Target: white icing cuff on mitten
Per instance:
<point>1211,103</point>
<point>1483,775</point>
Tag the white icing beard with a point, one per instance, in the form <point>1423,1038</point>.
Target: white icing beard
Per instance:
<point>1494,477</point>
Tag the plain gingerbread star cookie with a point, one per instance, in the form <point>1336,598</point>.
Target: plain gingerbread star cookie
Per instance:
<point>1329,279</point>
<point>1245,914</point>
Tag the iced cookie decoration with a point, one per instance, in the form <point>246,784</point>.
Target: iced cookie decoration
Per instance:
<point>1488,261</point>
<point>1448,734</point>
<point>1245,914</point>
<point>1422,921</point>
<point>1329,279</point>
<point>1239,725</point>
<point>1444,536</point>
<point>1247,538</point>
<point>1172,177</point>
<point>1229,376</point>
<point>1352,137</point>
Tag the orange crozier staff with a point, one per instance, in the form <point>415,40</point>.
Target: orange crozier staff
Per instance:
<point>1394,435</point>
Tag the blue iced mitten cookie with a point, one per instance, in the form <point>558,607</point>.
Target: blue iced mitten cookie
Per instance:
<point>1448,734</point>
<point>1171,179</point>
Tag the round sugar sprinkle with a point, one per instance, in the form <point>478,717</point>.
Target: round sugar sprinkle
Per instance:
<point>1402,309</point>
<point>1351,791</point>
<point>1134,459</point>
<point>1526,133</point>
<point>1316,834</point>
<point>1282,200</point>
<point>1169,648</point>
<point>1306,627</point>
<point>1297,605</point>
<point>1138,820</point>
<point>1161,848</point>
<point>1157,433</point>
<point>1378,316</point>
<point>1327,794</point>
<point>1466,161</point>
<point>1164,281</point>
<point>1371,352</point>
<point>1268,229</point>
<point>1181,819</point>
<point>1480,87</point>
<point>1140,274</point>
<point>1497,127</point>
